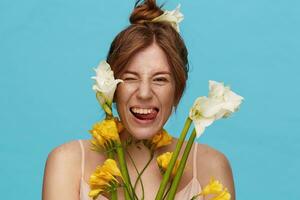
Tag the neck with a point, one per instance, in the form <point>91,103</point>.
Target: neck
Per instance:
<point>133,145</point>
<point>126,136</point>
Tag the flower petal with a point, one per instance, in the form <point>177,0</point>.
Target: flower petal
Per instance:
<point>105,83</point>
<point>201,124</point>
<point>220,103</point>
<point>216,89</point>
<point>174,17</point>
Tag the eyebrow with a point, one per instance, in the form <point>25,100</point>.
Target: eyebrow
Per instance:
<point>156,73</point>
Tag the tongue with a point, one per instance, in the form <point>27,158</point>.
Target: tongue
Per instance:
<point>149,116</point>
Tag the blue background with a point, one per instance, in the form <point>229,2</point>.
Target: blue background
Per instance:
<point>48,49</point>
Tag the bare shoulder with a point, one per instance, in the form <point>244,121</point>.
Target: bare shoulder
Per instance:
<point>210,156</point>
<point>67,153</point>
<point>62,172</point>
<point>206,155</point>
<point>68,147</point>
<point>70,155</point>
<point>213,163</point>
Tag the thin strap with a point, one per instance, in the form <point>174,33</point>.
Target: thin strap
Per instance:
<point>82,158</point>
<point>195,160</point>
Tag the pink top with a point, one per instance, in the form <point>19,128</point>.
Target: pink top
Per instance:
<point>191,189</point>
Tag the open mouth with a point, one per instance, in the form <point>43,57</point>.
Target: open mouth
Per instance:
<point>146,114</point>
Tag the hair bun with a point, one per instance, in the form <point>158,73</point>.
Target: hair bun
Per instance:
<point>144,10</point>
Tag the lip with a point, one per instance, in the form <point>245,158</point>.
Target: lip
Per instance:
<point>142,121</point>
<point>144,107</point>
<point>147,121</point>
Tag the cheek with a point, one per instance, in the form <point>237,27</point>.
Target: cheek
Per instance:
<point>122,96</point>
<point>122,93</point>
<point>166,96</point>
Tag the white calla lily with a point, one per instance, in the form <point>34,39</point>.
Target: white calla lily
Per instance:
<point>174,17</point>
<point>105,85</point>
<point>220,103</point>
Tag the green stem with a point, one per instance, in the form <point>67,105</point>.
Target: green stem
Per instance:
<point>181,166</point>
<point>106,107</point>
<point>131,159</point>
<point>167,174</point>
<point>111,154</point>
<point>124,172</point>
<point>143,170</point>
<point>114,195</point>
<point>195,197</point>
<point>167,191</point>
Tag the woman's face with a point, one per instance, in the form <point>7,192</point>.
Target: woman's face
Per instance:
<point>145,99</point>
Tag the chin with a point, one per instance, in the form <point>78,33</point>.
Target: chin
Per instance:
<point>143,134</point>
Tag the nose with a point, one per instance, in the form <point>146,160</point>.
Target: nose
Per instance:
<point>145,90</point>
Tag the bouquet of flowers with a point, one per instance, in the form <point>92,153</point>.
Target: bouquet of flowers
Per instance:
<point>221,102</point>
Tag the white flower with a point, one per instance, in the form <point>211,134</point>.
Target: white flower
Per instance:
<point>231,100</point>
<point>105,83</point>
<point>174,17</point>
<point>220,103</point>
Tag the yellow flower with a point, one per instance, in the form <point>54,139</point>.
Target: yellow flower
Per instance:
<point>160,139</point>
<point>216,188</point>
<point>120,126</point>
<point>104,179</point>
<point>224,195</point>
<point>164,160</point>
<point>111,167</point>
<point>105,133</point>
<point>107,129</point>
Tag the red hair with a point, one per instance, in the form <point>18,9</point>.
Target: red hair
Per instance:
<point>141,34</point>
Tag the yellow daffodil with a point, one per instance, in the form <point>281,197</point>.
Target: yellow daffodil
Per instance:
<point>104,179</point>
<point>105,134</point>
<point>164,160</point>
<point>111,167</point>
<point>159,140</point>
<point>224,195</point>
<point>215,188</point>
<point>107,129</point>
<point>120,126</point>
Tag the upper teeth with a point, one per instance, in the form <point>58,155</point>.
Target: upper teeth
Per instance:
<point>142,110</point>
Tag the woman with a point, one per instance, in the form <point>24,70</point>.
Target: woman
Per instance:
<point>151,58</point>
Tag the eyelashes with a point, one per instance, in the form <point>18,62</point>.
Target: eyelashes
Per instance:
<point>155,80</point>
<point>129,79</point>
<point>161,79</point>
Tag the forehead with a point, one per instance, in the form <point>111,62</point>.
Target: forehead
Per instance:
<point>149,61</point>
